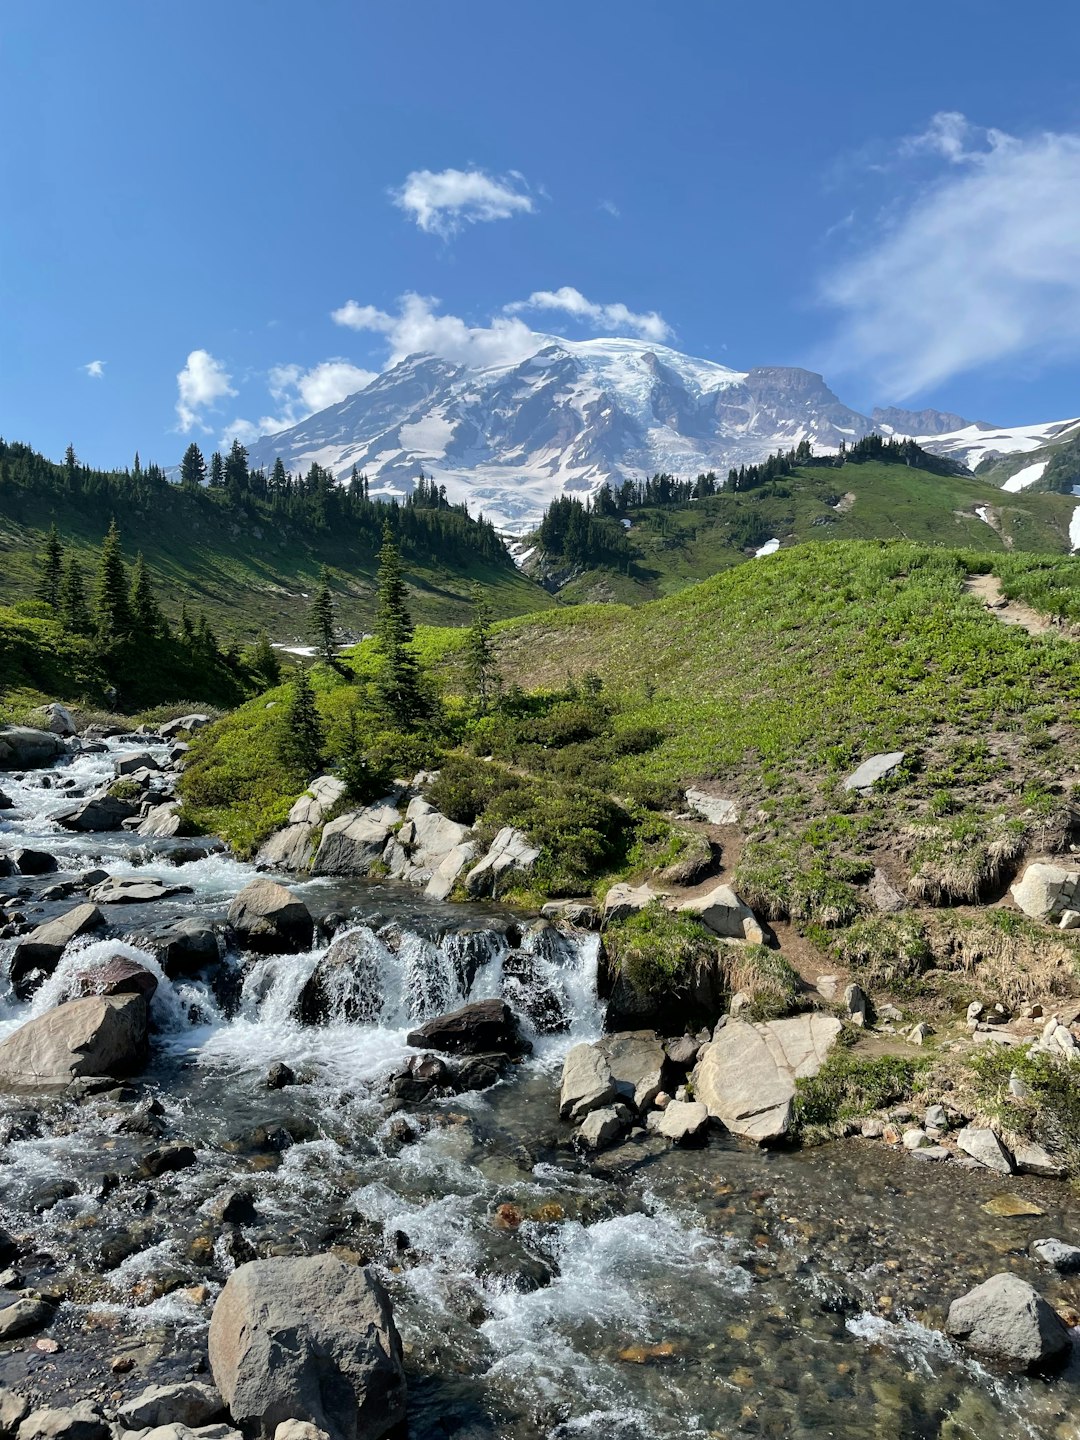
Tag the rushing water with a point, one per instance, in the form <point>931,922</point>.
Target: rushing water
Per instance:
<point>647,1293</point>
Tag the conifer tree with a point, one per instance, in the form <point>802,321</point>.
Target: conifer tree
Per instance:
<point>262,662</point>
<point>113,614</point>
<point>481,670</point>
<point>52,569</point>
<point>322,617</point>
<point>146,617</point>
<point>399,678</point>
<point>74,612</point>
<point>217,471</point>
<point>192,469</point>
<point>300,742</point>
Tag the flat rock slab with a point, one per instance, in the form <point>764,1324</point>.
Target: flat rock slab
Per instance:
<point>713,808</point>
<point>681,1121</point>
<point>623,900</point>
<point>746,1076</point>
<point>134,892</point>
<point>877,767</point>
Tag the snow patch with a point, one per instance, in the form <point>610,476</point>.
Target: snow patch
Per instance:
<point>1025,477</point>
<point>769,548</point>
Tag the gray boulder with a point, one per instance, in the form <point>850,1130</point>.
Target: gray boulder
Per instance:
<point>511,853</point>
<point>134,891</point>
<point>587,1082</point>
<point>883,894</point>
<point>190,1403</point>
<point>1046,890</point>
<point>983,1145</point>
<point>1063,1257</point>
<point>14,1408</point>
<point>309,1339</point>
<point>1008,1319</point>
<point>636,1061</point>
<point>132,764</point>
<point>98,1035</point>
<point>288,849</point>
<point>855,1003</point>
<point>317,801</point>
<point>746,1076</point>
<point>24,748</point>
<point>353,842</point>
<point>57,719</point>
<point>445,875</point>
<point>164,821</point>
<point>101,813</point>
<point>34,862</point>
<point>601,1128</point>
<point>76,1422</point>
<point>681,1121</point>
<point>623,900</point>
<point>1031,1159</point>
<point>25,1316</point>
<point>265,916</point>
<point>725,915</point>
<point>185,724</point>
<point>185,947</point>
<point>485,1027</point>
<point>39,952</point>
<point>713,808</point>
<point>877,767</point>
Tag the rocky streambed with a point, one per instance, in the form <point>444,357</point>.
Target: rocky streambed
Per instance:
<point>275,1109</point>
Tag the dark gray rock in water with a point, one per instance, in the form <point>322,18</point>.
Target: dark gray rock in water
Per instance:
<point>279,1075</point>
<point>168,1159</point>
<point>25,1316</point>
<point>483,1027</point>
<point>1008,1319</point>
<point>265,916</point>
<point>104,812</point>
<point>24,748</point>
<point>185,947</point>
<point>308,1339</point>
<point>1063,1257</point>
<point>118,976</point>
<point>34,862</point>
<point>39,953</point>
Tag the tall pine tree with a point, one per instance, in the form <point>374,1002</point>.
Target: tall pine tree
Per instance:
<point>300,743</point>
<point>146,617</point>
<point>399,675</point>
<point>52,570</point>
<point>481,669</point>
<point>113,613</point>
<point>192,469</point>
<point>322,617</point>
<point>74,611</point>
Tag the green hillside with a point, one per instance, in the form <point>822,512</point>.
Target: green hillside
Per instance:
<point>671,546</point>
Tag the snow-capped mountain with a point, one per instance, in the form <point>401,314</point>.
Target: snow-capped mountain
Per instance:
<point>508,438</point>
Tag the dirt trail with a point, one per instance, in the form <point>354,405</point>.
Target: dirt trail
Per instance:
<point>987,588</point>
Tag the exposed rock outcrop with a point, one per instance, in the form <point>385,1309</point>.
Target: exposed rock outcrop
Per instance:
<point>100,1035</point>
<point>1046,890</point>
<point>725,915</point>
<point>24,748</point>
<point>511,853</point>
<point>353,842</point>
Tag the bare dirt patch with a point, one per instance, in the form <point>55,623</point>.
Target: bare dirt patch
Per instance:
<point>987,588</point>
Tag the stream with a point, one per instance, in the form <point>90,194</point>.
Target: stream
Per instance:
<point>640,1294</point>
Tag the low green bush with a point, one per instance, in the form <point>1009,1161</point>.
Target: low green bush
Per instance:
<point>849,1085</point>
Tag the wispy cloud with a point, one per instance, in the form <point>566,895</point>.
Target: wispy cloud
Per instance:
<point>95,369</point>
<point>979,264</point>
<point>610,208</point>
<point>442,201</point>
<point>201,383</point>
<point>300,392</point>
<point>614,316</point>
<point>417,327</point>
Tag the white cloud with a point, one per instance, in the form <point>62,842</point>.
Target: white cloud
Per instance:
<point>616,317</point>
<point>301,393</point>
<point>610,208</point>
<point>95,369</point>
<point>201,382</point>
<point>980,265</point>
<point>440,202</point>
<point>417,328</point>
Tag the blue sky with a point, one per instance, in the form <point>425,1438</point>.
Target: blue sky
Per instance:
<point>889,195</point>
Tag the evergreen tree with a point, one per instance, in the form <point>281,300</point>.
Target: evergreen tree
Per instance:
<point>146,617</point>
<point>481,669</point>
<point>322,617</point>
<point>399,678</point>
<point>192,469</point>
<point>52,569</point>
<point>113,614</point>
<point>262,661</point>
<point>236,472</point>
<point>217,471</point>
<point>300,741</point>
<point>361,782</point>
<point>74,612</point>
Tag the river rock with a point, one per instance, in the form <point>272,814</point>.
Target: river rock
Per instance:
<point>1064,1258</point>
<point>746,1076</point>
<point>57,719</point>
<point>24,748</point>
<point>480,1028</point>
<point>1046,890</point>
<point>353,842</point>
<point>587,1082</point>
<point>680,1121</point>
<point>101,813</point>
<point>287,849</point>
<point>40,951</point>
<point>426,839</point>
<point>1008,1319</point>
<point>34,862</point>
<point>185,724</point>
<point>134,891</point>
<point>190,1403</point>
<point>636,1061</point>
<point>185,947</point>
<point>983,1145</point>
<point>164,822</point>
<point>445,875</point>
<point>511,853</point>
<point>131,764</point>
<point>346,983</point>
<point>117,976</point>
<point>25,1316</point>
<point>1032,1159</point>
<point>14,1409</point>
<point>725,915</point>
<point>877,767</point>
<point>76,1422</point>
<point>623,900</point>
<point>99,1035</point>
<point>309,1339</point>
<point>601,1128</point>
<point>265,916</point>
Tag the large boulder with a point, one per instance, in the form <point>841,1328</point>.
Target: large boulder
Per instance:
<point>427,837</point>
<point>681,1121</point>
<point>118,975</point>
<point>102,812</point>
<point>352,843</point>
<point>184,724</point>
<point>191,1403</point>
<point>1046,890</point>
<point>482,1028</point>
<point>1008,1319</point>
<point>445,875</point>
<point>38,954</point>
<point>164,821</point>
<point>99,1035</point>
<point>132,764</point>
<point>636,1060</point>
<point>317,801</point>
<point>266,916</point>
<point>587,1082</point>
<point>185,947</point>
<point>981,1143</point>
<point>309,1339</point>
<point>623,900</point>
<point>346,986</point>
<point>287,849</point>
<point>24,748</point>
<point>512,852</point>
<point>83,1421</point>
<point>57,719</point>
<point>725,915</point>
<point>34,862</point>
<point>746,1076</point>
<point>714,808</point>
